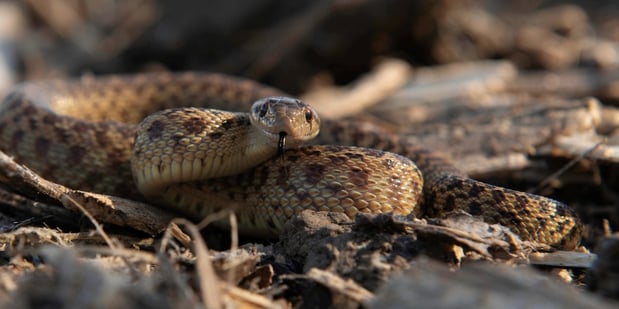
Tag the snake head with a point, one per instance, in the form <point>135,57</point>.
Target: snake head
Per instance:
<point>283,117</point>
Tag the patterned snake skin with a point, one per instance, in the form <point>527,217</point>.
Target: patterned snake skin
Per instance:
<point>81,133</point>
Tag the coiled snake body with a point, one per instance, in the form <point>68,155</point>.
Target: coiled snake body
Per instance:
<point>82,133</point>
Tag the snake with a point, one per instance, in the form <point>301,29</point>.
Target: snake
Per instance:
<point>200,142</point>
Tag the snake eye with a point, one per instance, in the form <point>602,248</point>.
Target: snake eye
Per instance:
<point>309,115</point>
<point>263,109</point>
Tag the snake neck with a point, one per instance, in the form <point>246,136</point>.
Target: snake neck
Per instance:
<point>195,144</point>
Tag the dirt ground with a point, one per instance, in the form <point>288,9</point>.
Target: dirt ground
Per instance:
<point>521,94</point>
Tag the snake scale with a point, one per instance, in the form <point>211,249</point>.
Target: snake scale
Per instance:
<point>81,134</point>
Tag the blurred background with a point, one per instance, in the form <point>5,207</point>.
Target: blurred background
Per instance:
<point>297,45</point>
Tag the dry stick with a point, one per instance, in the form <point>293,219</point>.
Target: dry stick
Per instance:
<point>222,214</point>
<point>39,210</point>
<point>168,270</point>
<point>174,279</point>
<point>234,234</point>
<point>562,170</point>
<point>67,199</point>
<point>210,287</point>
<point>249,297</point>
<point>464,235</point>
<point>43,235</point>
<point>144,256</point>
<point>11,170</point>
<point>385,79</point>
<point>234,241</point>
<point>63,26</point>
<point>210,292</point>
<point>607,230</point>
<point>348,287</point>
<point>64,198</point>
<point>561,259</point>
<point>179,235</point>
<point>234,231</point>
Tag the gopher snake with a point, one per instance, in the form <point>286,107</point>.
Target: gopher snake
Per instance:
<point>81,134</point>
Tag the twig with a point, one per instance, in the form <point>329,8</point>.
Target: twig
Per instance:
<point>210,286</point>
<point>561,259</point>
<point>67,199</point>
<point>332,281</point>
<point>566,167</point>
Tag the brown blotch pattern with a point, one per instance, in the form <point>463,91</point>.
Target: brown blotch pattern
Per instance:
<point>337,160</point>
<point>314,173</point>
<point>474,208</point>
<point>359,177</point>
<point>49,119</point>
<point>194,125</point>
<point>450,203</point>
<point>102,137</point>
<point>498,196</point>
<point>76,154</point>
<point>263,176</point>
<point>155,129</point>
<point>373,152</point>
<point>475,190</point>
<point>16,138</point>
<point>41,147</point>
<point>29,109</point>
<point>282,176</point>
<point>80,127</point>
<point>33,124</point>
<point>62,135</point>
<point>521,200</point>
<point>311,151</point>
<point>115,158</point>
<point>291,158</point>
<point>216,135</point>
<point>505,216</point>
<point>354,156</point>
